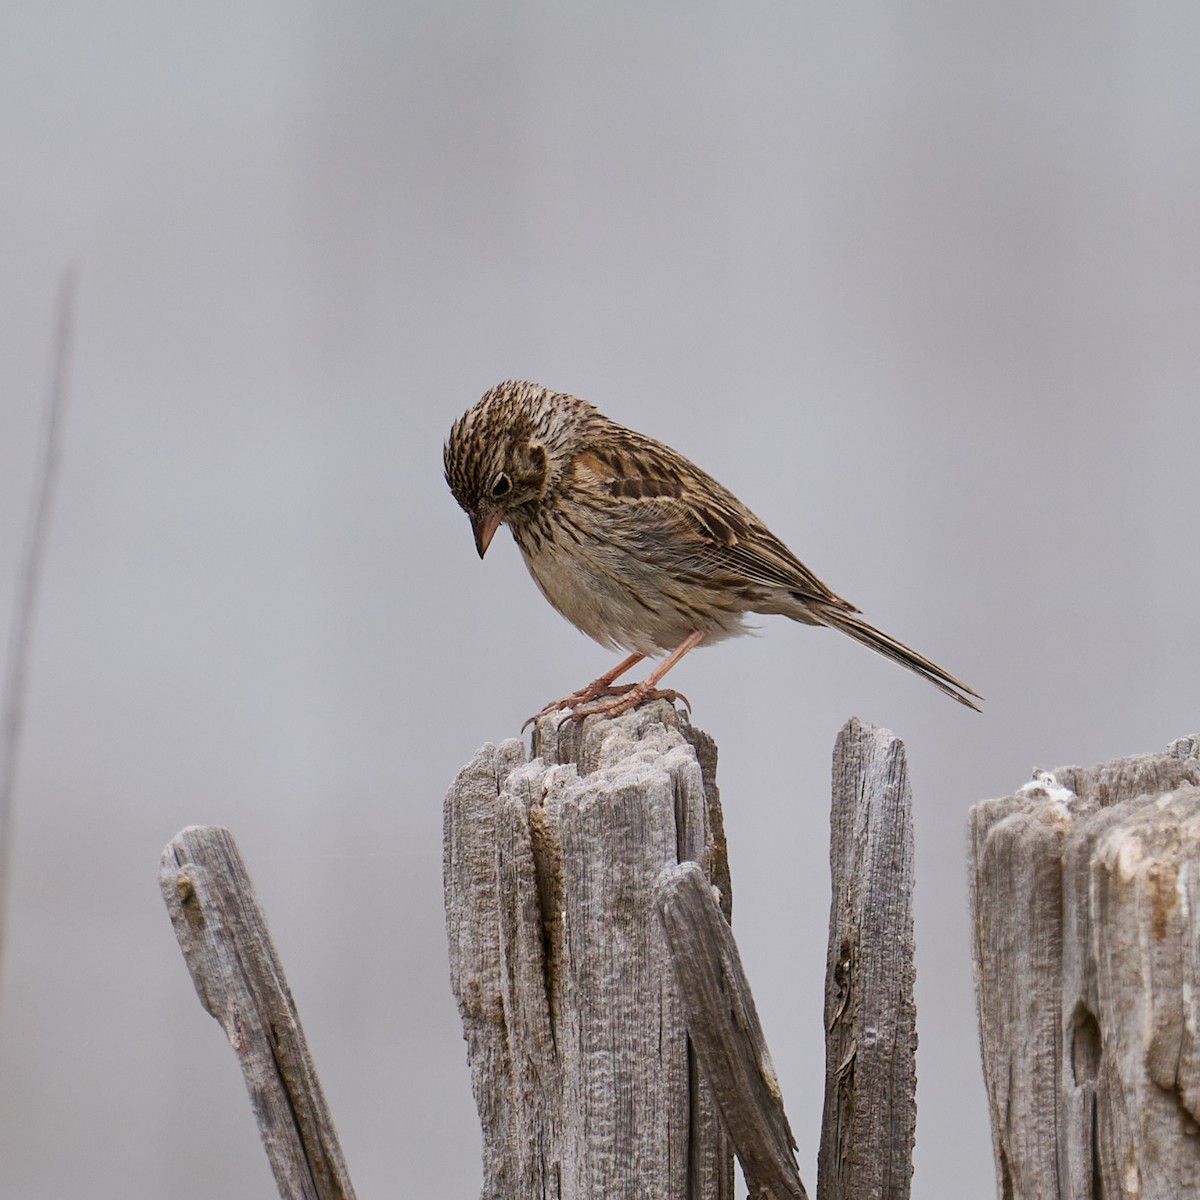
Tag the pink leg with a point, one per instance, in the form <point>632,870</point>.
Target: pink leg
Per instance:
<point>602,686</point>
<point>613,705</point>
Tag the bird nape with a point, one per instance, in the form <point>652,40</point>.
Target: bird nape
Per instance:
<point>634,544</point>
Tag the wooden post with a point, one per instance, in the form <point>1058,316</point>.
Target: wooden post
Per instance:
<point>611,1051</point>
<point>870,1115</point>
<point>577,1045</point>
<point>1085,890</point>
<point>723,1026</point>
<point>240,982</point>
<point>580,1061</point>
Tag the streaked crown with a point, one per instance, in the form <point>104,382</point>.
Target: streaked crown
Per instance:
<point>508,447</point>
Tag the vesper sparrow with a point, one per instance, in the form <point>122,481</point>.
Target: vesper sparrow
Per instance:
<point>632,543</point>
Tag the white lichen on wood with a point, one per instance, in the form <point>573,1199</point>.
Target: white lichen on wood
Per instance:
<point>1088,979</point>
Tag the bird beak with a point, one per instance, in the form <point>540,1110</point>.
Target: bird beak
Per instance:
<point>484,527</point>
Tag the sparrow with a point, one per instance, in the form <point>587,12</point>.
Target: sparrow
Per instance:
<point>634,544</point>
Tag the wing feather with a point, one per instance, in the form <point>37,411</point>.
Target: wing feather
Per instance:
<point>662,488</point>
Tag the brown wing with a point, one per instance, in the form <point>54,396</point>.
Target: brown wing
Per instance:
<point>714,530</point>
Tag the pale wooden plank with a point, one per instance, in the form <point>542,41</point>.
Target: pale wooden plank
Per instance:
<point>240,982</point>
<point>869,1120</point>
<point>722,1020</point>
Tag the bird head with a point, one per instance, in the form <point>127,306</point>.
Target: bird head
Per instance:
<point>506,452</point>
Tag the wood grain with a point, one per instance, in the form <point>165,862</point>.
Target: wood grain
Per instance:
<point>1084,891</point>
<point>869,1122</point>
<point>240,982</point>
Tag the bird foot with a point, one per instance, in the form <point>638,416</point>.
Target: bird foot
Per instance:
<point>622,699</point>
<point>593,691</point>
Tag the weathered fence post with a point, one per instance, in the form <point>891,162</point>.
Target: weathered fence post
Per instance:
<point>1085,890</point>
<point>612,1051</point>
<point>613,1040</point>
<point>870,1115</point>
<point>240,982</point>
<point>578,1047</point>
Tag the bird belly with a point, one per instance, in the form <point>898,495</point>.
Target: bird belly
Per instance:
<point>623,602</point>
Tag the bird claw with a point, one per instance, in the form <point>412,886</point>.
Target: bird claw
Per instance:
<point>603,697</point>
<point>624,699</point>
<point>584,696</point>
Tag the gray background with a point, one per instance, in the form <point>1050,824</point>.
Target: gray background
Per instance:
<point>918,281</point>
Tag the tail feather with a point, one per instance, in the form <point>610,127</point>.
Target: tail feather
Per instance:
<point>883,643</point>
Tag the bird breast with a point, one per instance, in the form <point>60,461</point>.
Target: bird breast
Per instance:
<point>620,595</point>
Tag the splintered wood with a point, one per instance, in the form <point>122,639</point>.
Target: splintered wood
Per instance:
<point>870,1114</point>
<point>577,1042</point>
<point>239,979</point>
<point>722,1021</point>
<point>1085,887</point>
<point>612,1035</point>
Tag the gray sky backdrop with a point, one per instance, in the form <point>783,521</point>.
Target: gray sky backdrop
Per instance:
<point>920,282</point>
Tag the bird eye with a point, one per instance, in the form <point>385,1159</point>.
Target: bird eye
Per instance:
<point>502,486</point>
